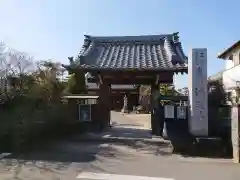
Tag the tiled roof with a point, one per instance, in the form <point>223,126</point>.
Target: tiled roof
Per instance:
<point>228,50</point>
<point>133,52</point>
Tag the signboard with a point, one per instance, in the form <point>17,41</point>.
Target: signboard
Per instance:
<point>181,112</point>
<point>169,112</point>
<point>84,112</point>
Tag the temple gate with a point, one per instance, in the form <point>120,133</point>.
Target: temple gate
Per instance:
<point>146,60</point>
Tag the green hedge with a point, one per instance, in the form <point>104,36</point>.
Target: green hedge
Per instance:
<point>27,120</point>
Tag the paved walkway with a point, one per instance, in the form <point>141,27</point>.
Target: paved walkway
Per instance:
<point>125,127</point>
<point>124,152</point>
<point>143,119</point>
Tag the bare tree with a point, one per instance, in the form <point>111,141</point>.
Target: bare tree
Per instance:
<point>2,59</point>
<point>3,70</point>
<point>14,63</point>
<point>19,63</point>
<point>51,69</point>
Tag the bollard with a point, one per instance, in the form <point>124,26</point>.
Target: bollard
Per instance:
<point>235,114</point>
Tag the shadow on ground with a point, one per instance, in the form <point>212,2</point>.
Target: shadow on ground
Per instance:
<point>206,148</point>
<point>182,142</point>
<point>188,146</point>
<point>131,137</point>
<point>117,144</point>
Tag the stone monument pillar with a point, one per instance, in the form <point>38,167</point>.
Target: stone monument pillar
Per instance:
<point>198,92</point>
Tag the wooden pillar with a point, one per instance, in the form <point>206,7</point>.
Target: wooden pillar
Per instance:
<point>235,128</point>
<point>109,89</point>
<point>155,121</point>
<point>153,124</point>
<point>104,105</point>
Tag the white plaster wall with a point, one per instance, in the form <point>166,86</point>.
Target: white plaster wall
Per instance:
<point>230,77</point>
<point>229,64</point>
<point>231,73</point>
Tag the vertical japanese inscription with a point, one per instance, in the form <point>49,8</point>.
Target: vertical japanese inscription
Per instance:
<point>198,95</point>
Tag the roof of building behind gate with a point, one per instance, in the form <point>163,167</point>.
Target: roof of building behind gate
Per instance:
<point>157,52</point>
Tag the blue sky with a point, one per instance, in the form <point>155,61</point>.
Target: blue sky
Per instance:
<point>54,29</point>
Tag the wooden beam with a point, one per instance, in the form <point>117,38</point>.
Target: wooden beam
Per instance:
<point>129,81</point>
<point>132,78</point>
